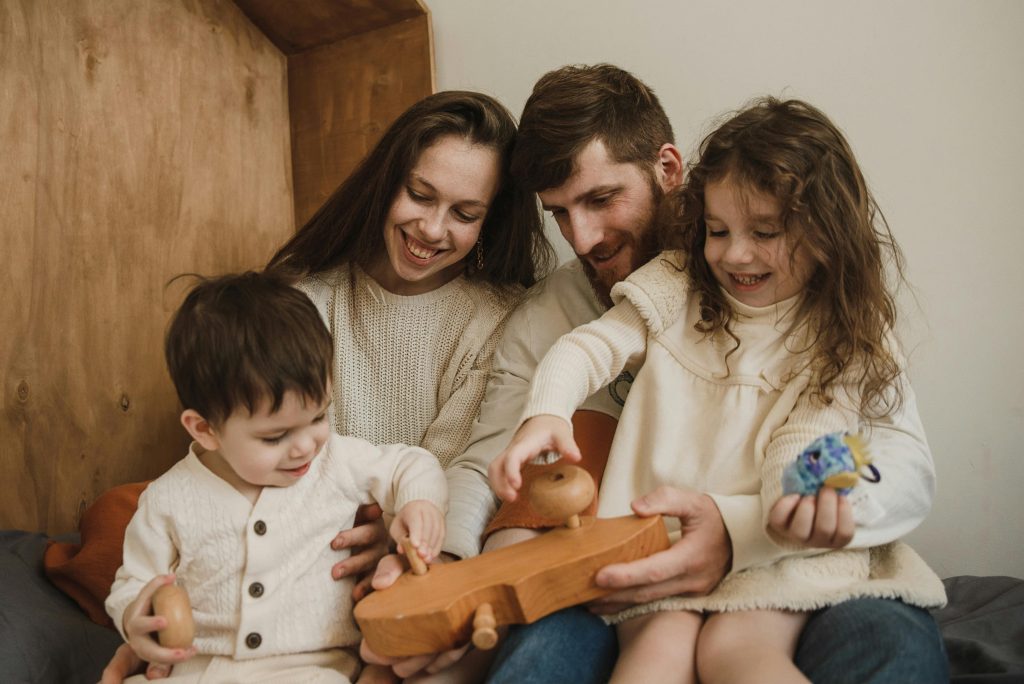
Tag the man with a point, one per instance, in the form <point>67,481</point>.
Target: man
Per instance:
<point>596,146</point>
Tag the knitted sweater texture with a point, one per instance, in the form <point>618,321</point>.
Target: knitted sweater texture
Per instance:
<point>265,568</point>
<point>413,369</point>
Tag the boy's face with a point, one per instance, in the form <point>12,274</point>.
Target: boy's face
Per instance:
<point>269,449</point>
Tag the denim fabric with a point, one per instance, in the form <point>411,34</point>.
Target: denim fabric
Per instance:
<point>571,645</point>
<point>872,641</point>
<point>863,641</point>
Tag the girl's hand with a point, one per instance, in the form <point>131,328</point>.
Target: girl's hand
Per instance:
<point>534,437</point>
<point>139,625</point>
<point>423,523</point>
<point>824,521</point>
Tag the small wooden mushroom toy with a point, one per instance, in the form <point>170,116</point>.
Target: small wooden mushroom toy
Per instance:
<point>171,602</point>
<point>457,602</point>
<point>561,493</point>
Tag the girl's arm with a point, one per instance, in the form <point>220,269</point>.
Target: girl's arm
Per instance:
<point>579,364</point>
<point>881,512</point>
<point>896,505</point>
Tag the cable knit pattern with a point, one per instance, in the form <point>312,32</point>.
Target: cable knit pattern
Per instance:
<point>727,424</point>
<point>413,369</point>
<point>195,524</point>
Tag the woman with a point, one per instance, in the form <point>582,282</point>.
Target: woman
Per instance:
<point>414,263</point>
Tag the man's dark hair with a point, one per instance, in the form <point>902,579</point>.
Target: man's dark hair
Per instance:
<point>572,106</point>
<point>244,339</point>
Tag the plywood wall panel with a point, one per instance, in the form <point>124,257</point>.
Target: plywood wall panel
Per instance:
<point>342,97</point>
<point>142,138</point>
<point>297,27</point>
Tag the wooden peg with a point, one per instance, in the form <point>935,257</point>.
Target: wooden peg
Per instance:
<point>415,562</point>
<point>171,602</point>
<point>562,493</point>
<point>485,633</point>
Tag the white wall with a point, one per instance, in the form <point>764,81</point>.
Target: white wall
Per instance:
<point>931,96</point>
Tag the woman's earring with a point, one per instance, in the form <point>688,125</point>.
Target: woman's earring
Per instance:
<point>480,254</point>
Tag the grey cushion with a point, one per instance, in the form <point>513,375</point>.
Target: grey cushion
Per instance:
<point>44,635</point>
<point>983,629</point>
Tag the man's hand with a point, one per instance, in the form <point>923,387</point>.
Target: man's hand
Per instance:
<point>693,565</point>
<point>368,540</point>
<point>824,521</point>
<point>533,438</point>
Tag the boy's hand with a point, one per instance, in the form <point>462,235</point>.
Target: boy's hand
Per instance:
<point>824,521</point>
<point>534,437</point>
<point>139,626</point>
<point>423,523</point>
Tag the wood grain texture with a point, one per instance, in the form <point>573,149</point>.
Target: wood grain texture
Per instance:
<point>299,26</point>
<point>524,582</point>
<point>142,139</point>
<point>342,97</point>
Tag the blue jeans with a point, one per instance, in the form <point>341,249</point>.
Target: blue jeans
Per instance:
<point>863,641</point>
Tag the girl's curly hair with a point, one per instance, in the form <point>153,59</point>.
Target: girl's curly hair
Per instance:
<point>790,150</point>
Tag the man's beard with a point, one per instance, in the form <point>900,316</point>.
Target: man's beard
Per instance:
<point>645,244</point>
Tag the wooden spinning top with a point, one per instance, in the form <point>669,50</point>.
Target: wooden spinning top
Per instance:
<point>561,493</point>
<point>171,602</point>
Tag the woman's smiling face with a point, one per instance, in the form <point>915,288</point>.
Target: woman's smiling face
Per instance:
<point>435,219</point>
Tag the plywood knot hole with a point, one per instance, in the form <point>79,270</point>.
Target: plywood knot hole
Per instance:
<point>125,402</point>
<point>23,391</point>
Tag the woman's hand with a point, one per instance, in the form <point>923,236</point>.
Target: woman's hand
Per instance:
<point>533,438</point>
<point>139,625</point>
<point>824,521</point>
<point>368,540</point>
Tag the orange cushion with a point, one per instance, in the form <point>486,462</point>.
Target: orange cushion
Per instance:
<point>85,571</point>
<point>593,432</point>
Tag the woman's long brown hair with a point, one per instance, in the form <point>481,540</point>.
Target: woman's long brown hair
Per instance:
<point>349,227</point>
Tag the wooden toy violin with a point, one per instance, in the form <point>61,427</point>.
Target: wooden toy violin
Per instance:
<point>452,603</point>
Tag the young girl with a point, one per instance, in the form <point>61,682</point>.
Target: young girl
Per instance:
<point>771,326</point>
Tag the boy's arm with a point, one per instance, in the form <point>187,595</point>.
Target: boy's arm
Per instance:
<point>148,551</point>
<point>395,474</point>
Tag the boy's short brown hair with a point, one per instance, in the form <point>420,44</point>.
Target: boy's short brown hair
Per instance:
<point>572,106</point>
<point>242,339</point>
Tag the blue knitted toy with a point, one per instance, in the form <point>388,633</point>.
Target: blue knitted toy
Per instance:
<point>834,460</point>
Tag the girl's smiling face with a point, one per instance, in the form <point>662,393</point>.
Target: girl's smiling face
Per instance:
<point>747,247</point>
<point>435,219</point>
